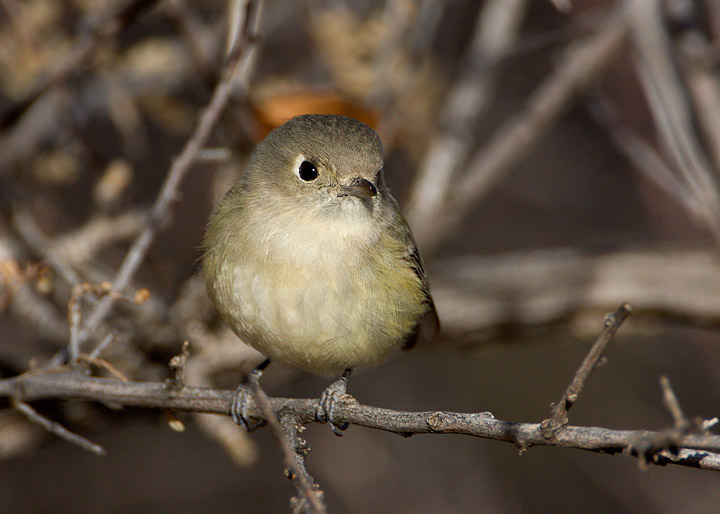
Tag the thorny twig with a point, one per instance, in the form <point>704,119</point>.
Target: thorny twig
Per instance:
<point>559,417</point>
<point>652,448</point>
<point>292,428</point>
<point>310,497</point>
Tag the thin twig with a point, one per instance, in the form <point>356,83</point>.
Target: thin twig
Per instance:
<point>649,448</point>
<point>103,364</point>
<point>559,417</point>
<point>695,44</point>
<point>177,365</point>
<point>180,166</point>
<point>671,108</point>
<point>496,30</point>
<point>695,450</point>
<point>671,403</point>
<point>109,338</point>
<point>306,486</point>
<point>57,428</point>
<point>74,320</point>
<point>642,154</point>
<point>30,232</point>
<point>83,243</point>
<point>37,311</point>
<point>79,245</point>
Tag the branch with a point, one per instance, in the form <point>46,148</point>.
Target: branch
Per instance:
<point>179,168</point>
<point>559,417</point>
<point>57,428</point>
<point>309,496</point>
<point>671,109</point>
<point>496,30</point>
<point>483,299</point>
<point>671,402</point>
<point>694,450</point>
<point>646,446</point>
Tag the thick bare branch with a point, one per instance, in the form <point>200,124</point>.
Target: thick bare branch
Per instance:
<point>694,450</point>
<point>478,298</point>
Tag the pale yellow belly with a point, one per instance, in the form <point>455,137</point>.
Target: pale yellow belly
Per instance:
<point>320,319</point>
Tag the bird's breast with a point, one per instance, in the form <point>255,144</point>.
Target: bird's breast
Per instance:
<point>316,299</point>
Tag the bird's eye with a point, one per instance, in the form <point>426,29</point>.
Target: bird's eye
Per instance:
<point>307,171</point>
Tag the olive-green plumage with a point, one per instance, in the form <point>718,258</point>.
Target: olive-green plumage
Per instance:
<point>307,257</point>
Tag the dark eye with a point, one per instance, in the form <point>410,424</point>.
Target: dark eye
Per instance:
<point>307,171</point>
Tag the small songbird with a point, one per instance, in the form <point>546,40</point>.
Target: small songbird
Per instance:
<point>309,260</point>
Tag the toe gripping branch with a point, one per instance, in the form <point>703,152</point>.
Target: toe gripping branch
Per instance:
<point>243,393</point>
<point>336,393</point>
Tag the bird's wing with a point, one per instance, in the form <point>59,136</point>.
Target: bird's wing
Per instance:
<point>429,324</point>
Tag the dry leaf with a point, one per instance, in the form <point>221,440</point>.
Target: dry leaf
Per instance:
<point>275,110</point>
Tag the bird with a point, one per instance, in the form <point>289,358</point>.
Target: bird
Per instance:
<point>308,259</point>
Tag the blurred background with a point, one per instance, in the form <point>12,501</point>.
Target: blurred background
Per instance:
<point>554,158</point>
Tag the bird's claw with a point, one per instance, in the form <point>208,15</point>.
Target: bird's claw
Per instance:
<point>333,397</point>
<point>239,408</point>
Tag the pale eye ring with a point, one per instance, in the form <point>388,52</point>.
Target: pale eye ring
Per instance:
<point>307,171</point>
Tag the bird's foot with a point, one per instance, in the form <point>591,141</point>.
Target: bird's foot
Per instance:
<point>333,397</point>
<point>239,408</point>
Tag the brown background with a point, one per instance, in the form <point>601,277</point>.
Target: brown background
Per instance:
<point>575,190</point>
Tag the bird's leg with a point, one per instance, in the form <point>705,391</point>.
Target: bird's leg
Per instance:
<point>240,401</point>
<point>334,394</point>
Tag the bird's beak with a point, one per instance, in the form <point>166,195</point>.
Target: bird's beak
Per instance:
<point>361,188</point>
